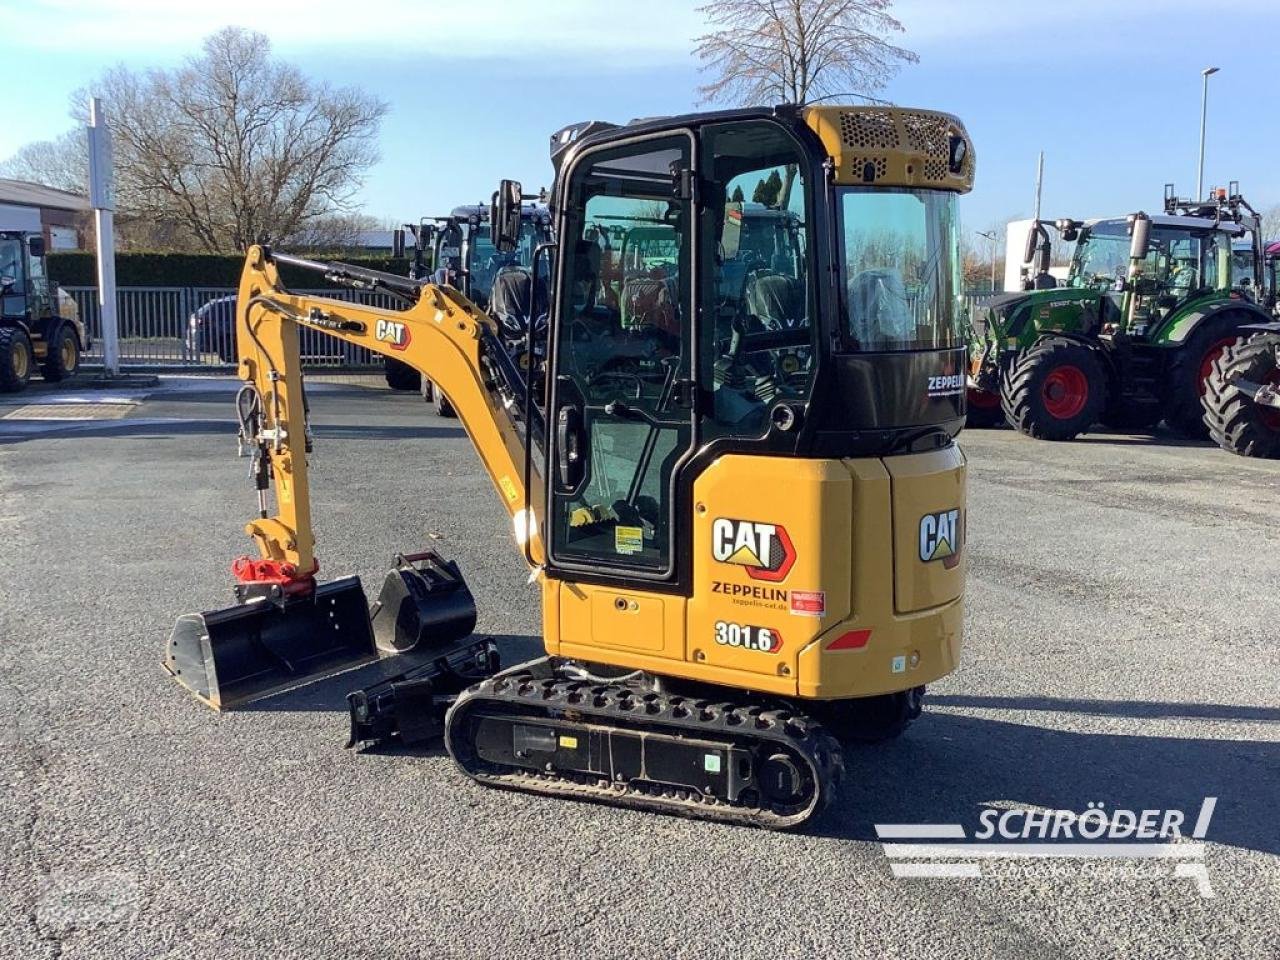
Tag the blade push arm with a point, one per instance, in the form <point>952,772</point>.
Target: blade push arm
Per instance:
<point>440,334</point>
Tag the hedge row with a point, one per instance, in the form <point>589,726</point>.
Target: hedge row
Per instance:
<point>80,269</point>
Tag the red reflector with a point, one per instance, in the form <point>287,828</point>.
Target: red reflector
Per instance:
<point>853,640</point>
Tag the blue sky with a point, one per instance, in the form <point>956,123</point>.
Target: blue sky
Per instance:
<point>476,88</point>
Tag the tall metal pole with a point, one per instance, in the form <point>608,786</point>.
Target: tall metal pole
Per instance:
<point>1206,73</point>
<point>1039,184</point>
<point>102,199</point>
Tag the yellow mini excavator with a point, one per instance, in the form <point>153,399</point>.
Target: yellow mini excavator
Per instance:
<point>737,487</point>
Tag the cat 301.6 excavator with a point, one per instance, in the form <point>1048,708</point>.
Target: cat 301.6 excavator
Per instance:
<point>745,508</point>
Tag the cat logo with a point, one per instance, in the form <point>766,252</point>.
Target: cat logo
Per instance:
<point>393,332</point>
<point>763,548</point>
<point>940,537</point>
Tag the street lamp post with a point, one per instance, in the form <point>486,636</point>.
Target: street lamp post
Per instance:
<point>991,235</point>
<point>1207,72</point>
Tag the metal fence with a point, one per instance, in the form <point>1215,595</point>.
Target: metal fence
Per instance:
<point>155,332</point>
<point>154,329</point>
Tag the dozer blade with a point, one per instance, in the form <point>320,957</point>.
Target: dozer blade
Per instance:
<point>231,656</point>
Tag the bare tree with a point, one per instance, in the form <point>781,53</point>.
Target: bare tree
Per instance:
<point>334,232</point>
<point>1271,223</point>
<point>767,51</point>
<point>62,163</point>
<point>234,147</point>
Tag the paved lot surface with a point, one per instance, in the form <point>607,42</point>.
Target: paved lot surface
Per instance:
<point>1121,648</point>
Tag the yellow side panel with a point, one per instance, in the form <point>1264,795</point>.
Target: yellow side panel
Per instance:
<point>617,620</point>
<point>878,649</point>
<point>928,527</point>
<point>770,561</point>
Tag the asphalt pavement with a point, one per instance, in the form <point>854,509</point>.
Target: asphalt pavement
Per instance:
<point>1121,649</point>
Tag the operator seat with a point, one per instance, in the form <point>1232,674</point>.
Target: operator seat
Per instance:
<point>650,301</point>
<point>776,300</point>
<point>878,308</point>
<point>511,302</point>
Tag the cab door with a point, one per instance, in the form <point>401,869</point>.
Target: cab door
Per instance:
<point>621,411</point>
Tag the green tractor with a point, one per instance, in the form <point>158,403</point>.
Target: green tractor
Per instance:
<point>1149,304</point>
<point>39,324</point>
<point>462,255</point>
<point>1242,394</point>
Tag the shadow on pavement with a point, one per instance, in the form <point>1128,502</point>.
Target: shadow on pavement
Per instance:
<point>1138,709</point>
<point>329,694</point>
<point>948,768</point>
<point>158,429</point>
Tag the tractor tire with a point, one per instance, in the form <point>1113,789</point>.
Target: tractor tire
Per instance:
<point>982,410</point>
<point>63,359</point>
<point>1234,421</point>
<point>401,376</point>
<point>441,403</point>
<point>16,359</point>
<point>1184,411</point>
<point>1055,389</point>
<point>870,719</point>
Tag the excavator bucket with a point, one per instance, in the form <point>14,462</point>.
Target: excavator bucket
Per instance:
<point>263,646</point>
<point>240,653</point>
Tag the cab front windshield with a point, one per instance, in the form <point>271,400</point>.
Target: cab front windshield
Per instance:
<point>1179,260</point>
<point>486,260</point>
<point>901,269</point>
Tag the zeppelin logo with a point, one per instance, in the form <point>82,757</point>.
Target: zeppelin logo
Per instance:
<point>763,548</point>
<point>940,537</point>
<point>393,332</point>
<point>946,385</point>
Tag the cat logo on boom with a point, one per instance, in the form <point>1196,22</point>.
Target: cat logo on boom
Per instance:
<point>940,537</point>
<point>764,549</point>
<point>393,332</point>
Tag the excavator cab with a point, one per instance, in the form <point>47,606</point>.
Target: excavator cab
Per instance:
<point>739,492</point>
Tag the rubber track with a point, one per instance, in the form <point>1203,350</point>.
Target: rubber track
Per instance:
<point>535,689</point>
<point>1233,419</point>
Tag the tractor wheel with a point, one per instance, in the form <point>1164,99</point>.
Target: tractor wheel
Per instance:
<point>16,359</point>
<point>1234,421</point>
<point>983,409</point>
<point>870,719</point>
<point>401,376</point>
<point>441,403</point>
<point>1054,390</point>
<point>63,359</point>
<point>1191,365</point>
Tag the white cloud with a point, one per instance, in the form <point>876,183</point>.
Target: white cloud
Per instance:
<point>590,30</point>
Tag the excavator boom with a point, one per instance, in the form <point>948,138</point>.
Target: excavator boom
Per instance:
<point>286,628</point>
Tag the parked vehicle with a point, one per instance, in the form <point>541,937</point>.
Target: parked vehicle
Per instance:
<point>211,329</point>
<point>39,324</point>
<point>1150,303</point>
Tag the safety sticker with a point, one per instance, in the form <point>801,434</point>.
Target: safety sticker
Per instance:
<point>509,489</point>
<point>898,664</point>
<point>711,762</point>
<point>809,603</point>
<point>569,743</point>
<point>628,540</point>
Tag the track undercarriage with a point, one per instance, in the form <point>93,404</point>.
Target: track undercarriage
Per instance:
<point>551,727</point>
